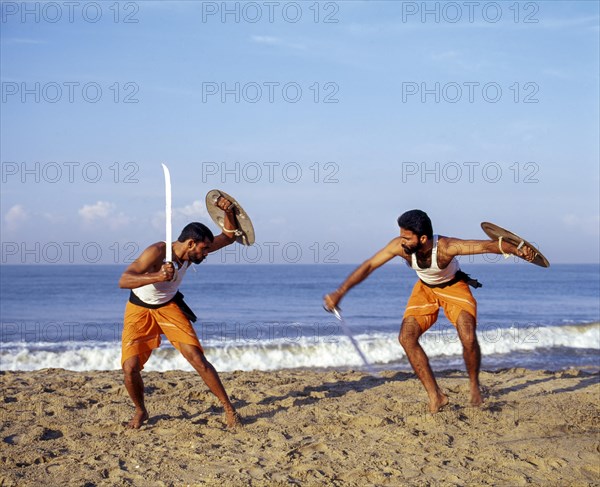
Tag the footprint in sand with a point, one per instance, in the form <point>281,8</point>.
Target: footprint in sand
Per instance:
<point>256,473</point>
<point>313,447</point>
<point>166,431</point>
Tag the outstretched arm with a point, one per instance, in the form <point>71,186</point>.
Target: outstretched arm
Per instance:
<point>454,246</point>
<point>391,250</point>
<point>148,268</point>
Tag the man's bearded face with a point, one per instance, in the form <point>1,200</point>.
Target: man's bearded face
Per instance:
<point>411,243</point>
<point>412,248</point>
<point>199,252</point>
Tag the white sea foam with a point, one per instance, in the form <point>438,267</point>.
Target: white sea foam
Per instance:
<point>379,348</point>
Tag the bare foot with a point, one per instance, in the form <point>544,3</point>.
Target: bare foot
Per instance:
<point>233,418</point>
<point>138,419</point>
<point>476,399</point>
<point>437,404</point>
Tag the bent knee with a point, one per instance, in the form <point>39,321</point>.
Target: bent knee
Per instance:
<point>469,342</point>
<point>408,340</point>
<point>467,335</point>
<point>195,357</point>
<point>409,333</point>
<point>132,366</point>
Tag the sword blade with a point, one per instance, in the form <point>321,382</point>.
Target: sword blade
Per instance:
<point>168,214</point>
<point>348,332</point>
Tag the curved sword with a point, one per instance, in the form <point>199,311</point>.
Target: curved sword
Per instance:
<point>336,312</point>
<point>168,214</point>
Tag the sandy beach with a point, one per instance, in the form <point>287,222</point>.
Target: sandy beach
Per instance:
<point>302,427</point>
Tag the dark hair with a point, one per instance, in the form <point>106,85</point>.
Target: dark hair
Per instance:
<point>197,232</point>
<point>417,222</point>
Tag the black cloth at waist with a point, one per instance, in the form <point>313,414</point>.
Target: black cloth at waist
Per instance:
<point>177,299</point>
<point>459,276</point>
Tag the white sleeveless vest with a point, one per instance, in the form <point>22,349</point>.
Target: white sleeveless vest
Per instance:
<point>434,275</point>
<point>161,292</point>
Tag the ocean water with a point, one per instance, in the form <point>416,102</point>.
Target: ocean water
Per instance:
<point>269,317</point>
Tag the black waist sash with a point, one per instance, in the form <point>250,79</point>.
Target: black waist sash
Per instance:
<point>177,299</point>
<point>459,276</point>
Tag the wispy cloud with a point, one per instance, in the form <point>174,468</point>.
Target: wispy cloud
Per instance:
<point>266,40</point>
<point>15,216</point>
<point>98,211</point>
<point>196,211</point>
<point>103,212</point>
<point>277,41</point>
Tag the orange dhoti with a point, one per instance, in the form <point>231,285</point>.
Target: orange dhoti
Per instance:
<point>425,302</point>
<point>142,328</point>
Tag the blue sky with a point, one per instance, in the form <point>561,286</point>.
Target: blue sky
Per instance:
<point>326,120</point>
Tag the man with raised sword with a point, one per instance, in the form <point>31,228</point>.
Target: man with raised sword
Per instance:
<point>156,307</point>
